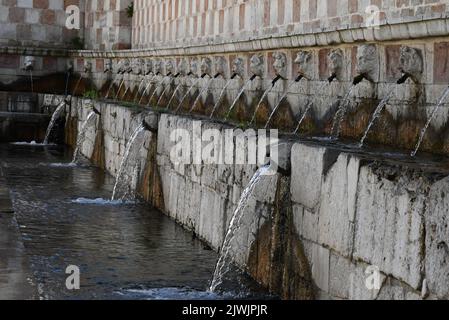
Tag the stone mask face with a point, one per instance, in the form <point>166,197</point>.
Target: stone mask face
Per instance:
<point>125,66</point>
<point>157,66</point>
<point>169,67</point>
<point>335,58</point>
<point>148,66</point>
<point>220,65</point>
<point>256,65</point>
<point>107,66</point>
<point>367,61</point>
<point>411,61</point>
<point>87,66</point>
<point>183,67</point>
<point>28,63</point>
<point>206,66</point>
<point>280,64</point>
<point>194,66</point>
<point>137,66</point>
<point>238,67</point>
<point>304,61</point>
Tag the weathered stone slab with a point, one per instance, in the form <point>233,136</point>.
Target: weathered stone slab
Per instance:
<point>437,239</point>
<point>389,231</point>
<point>307,173</point>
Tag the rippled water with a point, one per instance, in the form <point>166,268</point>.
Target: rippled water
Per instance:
<point>124,251</point>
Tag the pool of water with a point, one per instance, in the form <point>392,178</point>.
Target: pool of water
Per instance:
<point>123,250</point>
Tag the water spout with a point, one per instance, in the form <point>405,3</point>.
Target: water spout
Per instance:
<point>432,116</point>
<point>225,261</point>
<point>308,107</point>
<point>31,80</point>
<point>165,90</point>
<point>404,78</point>
<point>200,94</point>
<point>358,79</point>
<point>154,91</point>
<point>376,115</point>
<point>253,119</point>
<point>122,81</point>
<point>122,188</point>
<point>98,113</point>
<point>67,80</point>
<point>186,94</point>
<point>148,86</point>
<point>281,99</point>
<point>220,97</point>
<point>138,89</point>
<point>237,97</point>
<point>301,120</point>
<point>332,77</point>
<point>91,117</point>
<point>278,77</point>
<point>174,94</point>
<point>55,116</point>
<point>340,114</point>
<point>147,127</point>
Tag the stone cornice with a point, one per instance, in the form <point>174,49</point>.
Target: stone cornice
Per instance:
<point>34,51</point>
<point>388,32</point>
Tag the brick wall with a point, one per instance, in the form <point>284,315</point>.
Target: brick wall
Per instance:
<point>35,23</point>
<point>188,22</point>
<point>107,25</point>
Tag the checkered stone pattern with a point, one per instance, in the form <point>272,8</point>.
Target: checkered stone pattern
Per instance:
<point>35,23</point>
<point>107,24</point>
<point>170,23</point>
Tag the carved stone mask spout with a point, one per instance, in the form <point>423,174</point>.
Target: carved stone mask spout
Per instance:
<point>137,66</point>
<point>87,67</point>
<point>28,63</point>
<point>335,59</point>
<point>256,65</point>
<point>194,67</point>
<point>183,67</point>
<point>169,67</point>
<point>411,62</point>
<point>127,68</point>
<point>238,67</point>
<point>220,66</point>
<point>206,66</point>
<point>280,64</point>
<point>148,66</point>
<point>368,62</point>
<point>157,67</point>
<point>304,61</point>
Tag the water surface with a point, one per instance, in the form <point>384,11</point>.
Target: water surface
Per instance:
<point>123,250</point>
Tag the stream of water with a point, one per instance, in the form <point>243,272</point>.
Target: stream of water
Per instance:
<point>376,115</point>
<point>91,117</point>
<point>432,116</point>
<point>129,168</point>
<point>56,115</point>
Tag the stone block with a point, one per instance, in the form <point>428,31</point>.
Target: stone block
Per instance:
<point>337,205</point>
<point>307,173</point>
<point>437,239</point>
<point>389,226</point>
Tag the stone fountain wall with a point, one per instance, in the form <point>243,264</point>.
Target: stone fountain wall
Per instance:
<point>383,63</point>
<point>218,39</point>
<point>317,232</point>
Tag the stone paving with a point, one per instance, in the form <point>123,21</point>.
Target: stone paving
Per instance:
<point>14,270</point>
